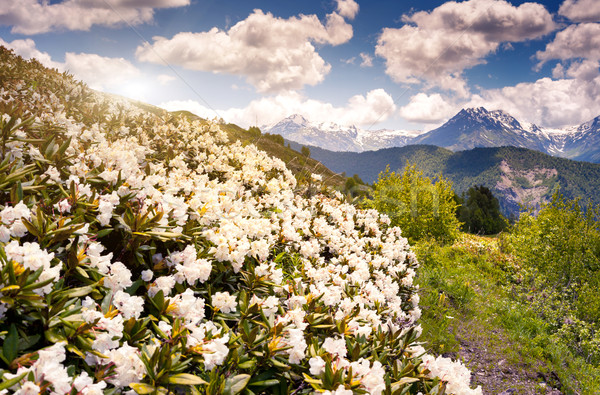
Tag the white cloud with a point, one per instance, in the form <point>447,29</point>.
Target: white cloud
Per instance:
<point>585,70</point>
<point>424,108</point>
<point>581,10</point>
<point>547,102</point>
<point>558,71</point>
<point>27,49</point>
<point>274,54</point>
<point>376,106</point>
<point>367,60</point>
<point>347,8</point>
<point>100,72</point>
<point>34,17</point>
<point>437,46</point>
<point>117,75</point>
<point>576,41</point>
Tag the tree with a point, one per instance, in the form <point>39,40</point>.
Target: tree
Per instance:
<point>421,207</point>
<point>254,130</point>
<point>305,151</point>
<point>480,212</point>
<point>355,186</point>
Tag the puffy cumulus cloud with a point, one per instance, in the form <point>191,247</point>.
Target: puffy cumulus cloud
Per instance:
<point>424,108</point>
<point>376,106</point>
<point>437,46</point>
<point>576,41</point>
<point>34,17</point>
<point>274,54</point>
<point>581,10</point>
<point>547,102</point>
<point>585,70</point>
<point>347,8</point>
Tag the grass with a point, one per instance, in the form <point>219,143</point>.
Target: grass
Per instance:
<point>472,311</point>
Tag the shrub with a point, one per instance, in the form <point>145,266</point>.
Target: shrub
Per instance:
<point>421,207</point>
<point>560,253</point>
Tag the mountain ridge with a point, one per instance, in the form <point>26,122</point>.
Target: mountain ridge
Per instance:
<point>336,137</point>
<point>469,128</point>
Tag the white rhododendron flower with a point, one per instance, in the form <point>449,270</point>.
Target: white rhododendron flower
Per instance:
<point>161,221</point>
<point>224,302</point>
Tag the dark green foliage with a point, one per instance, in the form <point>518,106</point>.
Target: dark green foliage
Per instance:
<point>421,207</point>
<point>480,212</point>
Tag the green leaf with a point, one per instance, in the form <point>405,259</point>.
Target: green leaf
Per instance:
<point>186,379</point>
<point>104,232</point>
<point>264,383</point>
<point>235,385</point>
<point>9,348</point>
<point>248,364</point>
<point>142,388</point>
<point>26,342</point>
<point>9,383</point>
<point>76,292</point>
<point>403,381</point>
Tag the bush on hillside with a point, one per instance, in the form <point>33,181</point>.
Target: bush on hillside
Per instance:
<point>559,250</point>
<point>144,253</point>
<point>421,207</point>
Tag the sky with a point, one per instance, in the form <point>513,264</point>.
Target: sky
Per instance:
<point>395,64</point>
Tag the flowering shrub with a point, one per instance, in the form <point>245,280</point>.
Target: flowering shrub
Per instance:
<point>145,254</point>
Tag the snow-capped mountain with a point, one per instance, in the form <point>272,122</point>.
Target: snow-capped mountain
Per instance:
<point>583,142</point>
<point>336,137</point>
<point>470,128</point>
<point>478,127</point>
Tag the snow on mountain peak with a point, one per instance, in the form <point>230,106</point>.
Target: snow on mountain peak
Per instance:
<point>297,119</point>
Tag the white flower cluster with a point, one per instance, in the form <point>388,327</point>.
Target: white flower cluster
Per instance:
<point>11,221</point>
<point>32,257</point>
<point>231,217</point>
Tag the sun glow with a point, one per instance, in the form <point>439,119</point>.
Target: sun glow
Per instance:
<point>134,89</point>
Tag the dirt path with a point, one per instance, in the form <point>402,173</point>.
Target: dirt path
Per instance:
<point>496,368</point>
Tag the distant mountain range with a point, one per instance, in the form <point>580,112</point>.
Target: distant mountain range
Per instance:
<point>517,176</point>
<point>335,137</point>
<point>470,128</point>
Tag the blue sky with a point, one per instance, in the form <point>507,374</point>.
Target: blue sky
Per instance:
<point>375,64</point>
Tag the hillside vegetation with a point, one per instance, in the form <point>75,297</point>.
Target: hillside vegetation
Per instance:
<point>516,176</point>
<point>146,252</point>
<point>521,309</point>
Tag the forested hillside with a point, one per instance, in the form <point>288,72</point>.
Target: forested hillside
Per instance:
<point>517,176</point>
